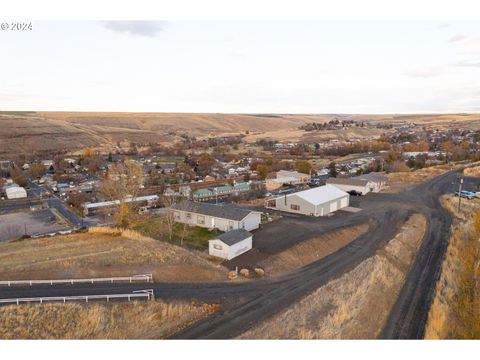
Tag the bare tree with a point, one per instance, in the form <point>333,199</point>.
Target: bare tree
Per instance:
<point>123,182</point>
<point>169,218</point>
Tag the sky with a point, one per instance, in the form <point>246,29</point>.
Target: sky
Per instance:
<point>242,67</point>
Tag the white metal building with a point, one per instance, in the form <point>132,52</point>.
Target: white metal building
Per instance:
<point>15,192</point>
<point>223,217</point>
<point>362,186</point>
<point>319,201</point>
<point>231,244</point>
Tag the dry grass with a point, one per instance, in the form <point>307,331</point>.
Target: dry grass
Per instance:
<point>474,170</point>
<point>448,317</point>
<point>137,320</point>
<point>49,131</point>
<point>103,252</point>
<point>401,181</point>
<point>356,305</point>
<point>311,250</point>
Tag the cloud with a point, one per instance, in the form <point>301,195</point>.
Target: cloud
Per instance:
<point>458,37</point>
<point>425,72</point>
<point>468,63</point>
<point>141,28</point>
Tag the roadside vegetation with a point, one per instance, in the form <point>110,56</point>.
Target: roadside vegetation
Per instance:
<point>136,320</point>
<point>400,181</point>
<point>455,311</point>
<point>356,305</point>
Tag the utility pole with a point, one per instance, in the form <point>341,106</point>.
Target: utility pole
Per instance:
<point>459,194</point>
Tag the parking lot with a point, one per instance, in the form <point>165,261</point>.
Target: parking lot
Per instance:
<point>15,225</point>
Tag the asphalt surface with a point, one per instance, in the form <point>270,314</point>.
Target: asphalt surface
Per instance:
<point>246,303</point>
<point>56,203</point>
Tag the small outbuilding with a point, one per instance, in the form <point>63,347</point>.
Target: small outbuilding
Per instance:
<point>362,186</point>
<point>319,201</point>
<point>377,181</point>
<point>231,244</point>
<point>15,192</point>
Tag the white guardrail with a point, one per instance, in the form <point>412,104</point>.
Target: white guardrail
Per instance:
<point>135,278</point>
<point>140,294</point>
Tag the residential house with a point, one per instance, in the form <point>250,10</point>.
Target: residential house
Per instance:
<point>224,217</point>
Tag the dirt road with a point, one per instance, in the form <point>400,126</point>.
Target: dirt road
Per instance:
<point>245,303</point>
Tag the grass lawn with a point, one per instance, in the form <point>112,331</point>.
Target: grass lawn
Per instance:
<point>193,237</point>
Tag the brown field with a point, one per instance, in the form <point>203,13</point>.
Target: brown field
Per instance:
<point>136,320</point>
<point>401,181</point>
<point>354,306</point>
<point>311,250</point>
<point>98,254</point>
<point>448,318</point>
<point>27,132</point>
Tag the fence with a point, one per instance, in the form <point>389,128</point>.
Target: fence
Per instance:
<point>135,278</point>
<point>136,295</point>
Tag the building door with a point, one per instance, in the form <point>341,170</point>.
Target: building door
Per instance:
<point>343,202</point>
<point>333,206</point>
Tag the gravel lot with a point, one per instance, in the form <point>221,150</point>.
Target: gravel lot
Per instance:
<point>12,226</point>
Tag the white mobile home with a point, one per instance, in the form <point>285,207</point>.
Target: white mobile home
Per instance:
<point>223,217</point>
<point>319,201</point>
<point>231,244</point>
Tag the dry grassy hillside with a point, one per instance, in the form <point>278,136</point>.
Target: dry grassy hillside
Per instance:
<point>152,320</point>
<point>103,255</point>
<point>455,311</point>
<point>27,132</point>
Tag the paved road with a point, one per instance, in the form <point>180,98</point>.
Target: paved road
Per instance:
<point>56,203</point>
<point>246,303</point>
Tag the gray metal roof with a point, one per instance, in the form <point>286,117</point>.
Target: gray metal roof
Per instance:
<point>234,236</point>
<point>227,211</point>
<point>375,177</point>
<point>347,181</point>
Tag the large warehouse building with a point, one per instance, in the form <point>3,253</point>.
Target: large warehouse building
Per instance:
<point>319,201</point>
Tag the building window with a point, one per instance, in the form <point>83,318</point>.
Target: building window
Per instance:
<point>176,215</point>
<point>200,219</point>
<point>230,225</point>
<point>295,207</point>
<point>188,216</point>
<point>217,247</point>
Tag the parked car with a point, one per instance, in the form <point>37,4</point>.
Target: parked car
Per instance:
<point>466,194</point>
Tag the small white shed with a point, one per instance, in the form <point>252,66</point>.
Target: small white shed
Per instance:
<point>231,244</point>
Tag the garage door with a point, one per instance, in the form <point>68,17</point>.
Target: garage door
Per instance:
<point>343,203</point>
<point>333,206</point>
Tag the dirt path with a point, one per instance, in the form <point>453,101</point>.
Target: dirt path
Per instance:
<point>311,250</point>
